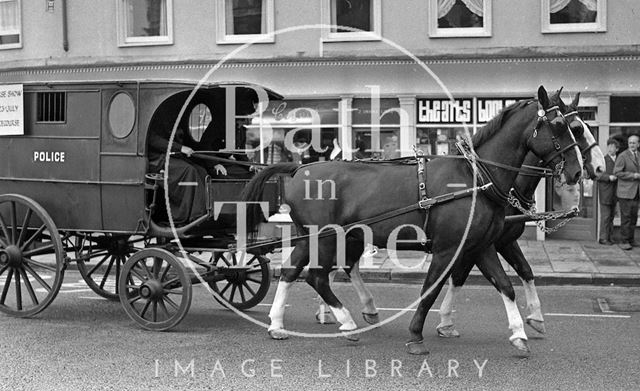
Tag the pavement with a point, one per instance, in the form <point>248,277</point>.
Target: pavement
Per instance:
<point>554,262</point>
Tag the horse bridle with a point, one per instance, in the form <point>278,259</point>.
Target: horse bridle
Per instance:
<point>589,147</point>
<point>559,151</point>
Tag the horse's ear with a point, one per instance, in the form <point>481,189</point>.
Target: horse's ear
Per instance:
<point>560,91</point>
<point>543,98</point>
<point>576,99</point>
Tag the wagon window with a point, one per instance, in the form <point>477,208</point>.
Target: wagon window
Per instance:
<point>199,119</point>
<point>122,115</point>
<point>51,107</point>
<point>10,25</point>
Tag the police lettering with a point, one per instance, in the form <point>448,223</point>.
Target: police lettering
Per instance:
<point>48,157</point>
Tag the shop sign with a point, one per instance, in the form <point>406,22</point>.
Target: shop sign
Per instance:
<point>445,111</point>
<point>490,107</point>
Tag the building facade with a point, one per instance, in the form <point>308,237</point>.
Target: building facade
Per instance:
<point>373,77</point>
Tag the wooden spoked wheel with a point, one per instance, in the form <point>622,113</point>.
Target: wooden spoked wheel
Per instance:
<point>155,289</point>
<point>247,278</point>
<point>100,257</point>
<point>31,257</point>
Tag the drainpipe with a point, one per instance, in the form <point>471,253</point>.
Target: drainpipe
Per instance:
<point>65,35</point>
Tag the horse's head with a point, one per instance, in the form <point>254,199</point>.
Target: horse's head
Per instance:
<point>552,140</point>
<point>591,152</point>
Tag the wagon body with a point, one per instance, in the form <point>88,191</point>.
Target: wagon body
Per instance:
<point>86,174</point>
<point>75,187</point>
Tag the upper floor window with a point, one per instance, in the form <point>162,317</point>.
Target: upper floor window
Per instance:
<point>567,16</point>
<point>460,18</point>
<point>145,22</point>
<point>351,20</point>
<point>10,26</point>
<point>242,21</point>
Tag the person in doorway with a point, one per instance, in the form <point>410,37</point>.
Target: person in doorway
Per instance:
<point>607,193</point>
<point>627,169</point>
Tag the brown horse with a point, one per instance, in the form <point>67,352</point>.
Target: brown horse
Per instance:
<point>507,244</point>
<point>360,191</point>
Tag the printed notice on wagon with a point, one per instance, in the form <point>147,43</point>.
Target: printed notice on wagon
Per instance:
<point>11,110</point>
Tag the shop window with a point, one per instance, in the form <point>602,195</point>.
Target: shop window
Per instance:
<point>567,16</point>
<point>51,107</point>
<point>242,21</point>
<point>199,119</point>
<point>301,131</point>
<point>361,18</point>
<point>145,22</point>
<point>10,24</point>
<point>376,128</point>
<point>459,18</point>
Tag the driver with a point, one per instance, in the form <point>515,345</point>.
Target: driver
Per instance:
<point>186,179</point>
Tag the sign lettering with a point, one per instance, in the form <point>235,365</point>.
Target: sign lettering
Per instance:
<point>490,107</point>
<point>445,111</point>
<point>11,110</point>
<point>48,156</point>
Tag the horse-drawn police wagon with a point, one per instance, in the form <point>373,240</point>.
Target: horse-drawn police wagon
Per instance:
<point>75,187</point>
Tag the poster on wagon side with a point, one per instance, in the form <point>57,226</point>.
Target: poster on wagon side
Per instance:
<point>11,110</point>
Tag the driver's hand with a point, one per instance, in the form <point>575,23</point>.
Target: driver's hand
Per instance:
<point>613,178</point>
<point>220,169</point>
<point>186,150</point>
<point>255,168</point>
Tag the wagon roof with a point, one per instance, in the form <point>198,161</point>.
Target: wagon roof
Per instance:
<point>175,83</point>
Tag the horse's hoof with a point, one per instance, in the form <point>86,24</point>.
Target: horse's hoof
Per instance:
<point>371,318</point>
<point>521,345</point>
<point>416,348</point>
<point>537,325</point>
<point>447,332</point>
<point>325,317</point>
<point>278,334</point>
<point>351,337</point>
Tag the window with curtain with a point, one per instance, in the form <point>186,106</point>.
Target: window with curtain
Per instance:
<point>10,26</point>
<point>145,22</point>
<point>361,15</point>
<point>243,20</point>
<point>573,15</point>
<point>460,18</point>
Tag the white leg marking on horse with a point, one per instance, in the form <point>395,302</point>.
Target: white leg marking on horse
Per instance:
<point>366,298</point>
<point>533,302</point>
<point>344,317</point>
<point>277,308</point>
<point>446,308</point>
<point>515,320</point>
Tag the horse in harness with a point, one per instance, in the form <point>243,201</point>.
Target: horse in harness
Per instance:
<point>461,227</point>
<point>521,209</point>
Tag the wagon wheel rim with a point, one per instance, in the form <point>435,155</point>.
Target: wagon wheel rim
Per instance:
<point>155,289</point>
<point>247,279</point>
<point>29,280</point>
<point>100,259</point>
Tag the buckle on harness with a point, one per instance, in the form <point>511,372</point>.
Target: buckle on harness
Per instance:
<point>425,204</point>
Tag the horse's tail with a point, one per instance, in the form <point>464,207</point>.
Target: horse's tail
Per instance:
<point>253,191</point>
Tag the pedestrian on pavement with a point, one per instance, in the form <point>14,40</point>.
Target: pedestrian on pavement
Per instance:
<point>607,193</point>
<point>627,169</point>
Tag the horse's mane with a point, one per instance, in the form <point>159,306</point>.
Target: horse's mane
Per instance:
<point>495,124</point>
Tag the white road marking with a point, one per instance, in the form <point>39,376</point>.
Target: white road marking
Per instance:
<point>604,305</point>
<point>92,298</point>
<point>187,183</point>
<point>457,185</point>
<point>589,315</point>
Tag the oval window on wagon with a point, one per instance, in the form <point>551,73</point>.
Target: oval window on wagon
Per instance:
<point>199,119</point>
<point>122,115</point>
